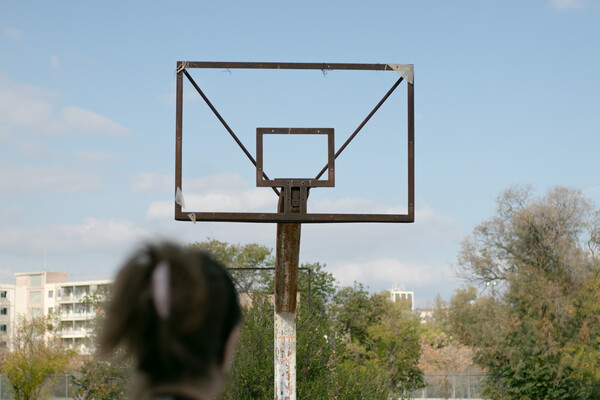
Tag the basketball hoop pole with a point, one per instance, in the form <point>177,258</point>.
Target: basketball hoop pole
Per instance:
<point>286,287</point>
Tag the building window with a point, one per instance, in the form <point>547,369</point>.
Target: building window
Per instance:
<point>50,294</point>
<point>36,312</point>
<point>3,311</point>
<point>35,280</point>
<point>3,328</point>
<point>3,294</point>
<point>35,297</point>
<point>50,310</point>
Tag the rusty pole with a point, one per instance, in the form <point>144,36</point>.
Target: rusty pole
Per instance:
<point>286,288</point>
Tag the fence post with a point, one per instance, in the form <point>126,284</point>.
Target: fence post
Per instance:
<point>453,386</point>
<point>469,385</point>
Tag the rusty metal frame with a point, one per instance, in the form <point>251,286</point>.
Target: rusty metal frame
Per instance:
<point>261,181</point>
<point>289,217</point>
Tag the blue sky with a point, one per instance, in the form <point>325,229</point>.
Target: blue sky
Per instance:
<point>507,92</point>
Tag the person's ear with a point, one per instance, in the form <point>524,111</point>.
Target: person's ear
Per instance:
<point>229,349</point>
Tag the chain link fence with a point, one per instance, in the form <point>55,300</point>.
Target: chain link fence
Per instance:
<point>57,387</point>
<point>451,386</point>
<point>439,386</point>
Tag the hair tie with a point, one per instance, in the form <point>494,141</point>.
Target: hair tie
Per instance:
<point>160,288</point>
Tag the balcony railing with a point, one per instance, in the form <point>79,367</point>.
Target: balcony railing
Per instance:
<point>72,298</point>
<point>77,315</point>
<point>75,332</point>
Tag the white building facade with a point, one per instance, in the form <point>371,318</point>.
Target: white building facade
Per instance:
<point>37,294</point>
<point>7,311</point>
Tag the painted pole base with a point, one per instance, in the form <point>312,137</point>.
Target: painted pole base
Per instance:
<point>285,356</point>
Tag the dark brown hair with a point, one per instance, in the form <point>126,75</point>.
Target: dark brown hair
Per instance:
<point>203,311</point>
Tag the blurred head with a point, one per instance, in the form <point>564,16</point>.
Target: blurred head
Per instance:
<point>174,310</point>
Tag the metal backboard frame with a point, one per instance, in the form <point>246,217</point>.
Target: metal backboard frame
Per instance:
<point>262,181</point>
<point>285,215</point>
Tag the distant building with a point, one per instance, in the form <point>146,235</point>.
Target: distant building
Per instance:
<point>425,315</point>
<point>7,311</point>
<point>37,294</point>
<point>403,295</point>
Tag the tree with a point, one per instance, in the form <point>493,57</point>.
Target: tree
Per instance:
<point>317,354</point>
<point>558,234</point>
<point>397,348</point>
<point>36,354</point>
<point>381,345</point>
<point>443,355</point>
<point>350,344</point>
<point>583,353</point>
<point>252,372</point>
<point>101,379</point>
<point>242,256</point>
<point>259,278</point>
<point>527,334</point>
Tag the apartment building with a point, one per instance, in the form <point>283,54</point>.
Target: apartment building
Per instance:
<point>7,312</point>
<point>74,311</point>
<point>44,293</point>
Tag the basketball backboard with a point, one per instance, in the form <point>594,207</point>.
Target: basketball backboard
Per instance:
<point>289,186</point>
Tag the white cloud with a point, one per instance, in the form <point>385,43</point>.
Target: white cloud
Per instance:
<point>355,206</point>
<point>160,210</point>
<point>24,180</point>
<point>417,255</point>
<point>38,110</point>
<point>426,280</point>
<point>4,132</point>
<point>252,200</point>
<point>13,33</point>
<point>149,182</point>
<point>97,156</point>
<point>32,148</point>
<point>11,213</point>
<point>220,183</point>
<point>220,192</point>
<point>431,238</point>
<point>566,4</point>
<point>26,106</point>
<point>55,62</point>
<point>89,122</point>
<point>230,192</point>
<point>387,272</point>
<point>92,235</point>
